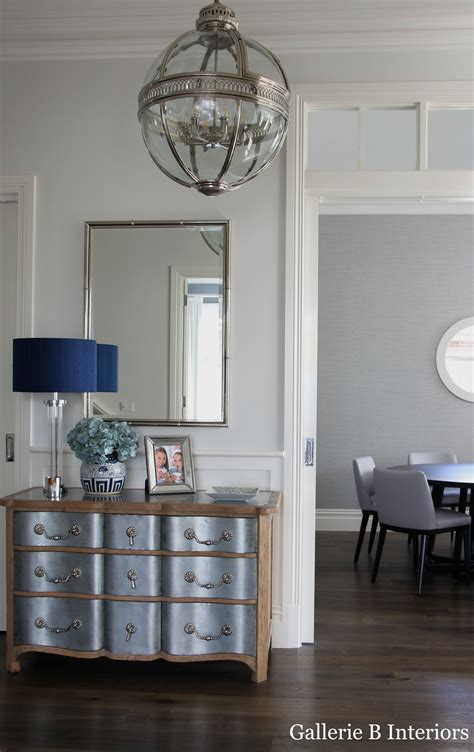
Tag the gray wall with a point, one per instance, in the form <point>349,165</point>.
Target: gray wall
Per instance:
<point>84,145</point>
<point>389,287</point>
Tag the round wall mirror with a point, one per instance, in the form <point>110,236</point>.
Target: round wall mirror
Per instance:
<point>455,359</point>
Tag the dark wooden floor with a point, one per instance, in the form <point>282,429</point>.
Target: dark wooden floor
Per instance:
<point>383,655</point>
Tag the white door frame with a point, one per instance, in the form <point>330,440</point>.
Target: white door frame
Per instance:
<point>305,191</point>
<point>24,190</point>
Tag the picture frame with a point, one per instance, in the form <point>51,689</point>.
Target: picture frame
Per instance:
<point>169,464</point>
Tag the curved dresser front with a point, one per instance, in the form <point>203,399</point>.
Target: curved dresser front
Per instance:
<point>139,579</point>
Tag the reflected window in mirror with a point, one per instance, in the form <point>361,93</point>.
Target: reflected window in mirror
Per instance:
<point>159,290</point>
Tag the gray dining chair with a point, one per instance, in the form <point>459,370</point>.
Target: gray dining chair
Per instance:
<point>450,495</point>
<point>404,505</point>
<point>364,481</point>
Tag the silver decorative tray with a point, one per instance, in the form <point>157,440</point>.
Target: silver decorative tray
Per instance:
<point>232,493</point>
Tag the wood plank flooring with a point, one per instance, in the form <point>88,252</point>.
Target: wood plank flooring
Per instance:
<point>383,655</point>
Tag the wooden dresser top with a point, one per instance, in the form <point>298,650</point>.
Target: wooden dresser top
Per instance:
<point>136,501</point>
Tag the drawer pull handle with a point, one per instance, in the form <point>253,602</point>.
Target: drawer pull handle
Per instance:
<point>131,533</point>
<point>226,579</point>
<point>73,574</point>
<point>41,530</point>
<point>226,536</point>
<point>132,575</point>
<point>41,623</point>
<point>130,630</point>
<point>190,629</point>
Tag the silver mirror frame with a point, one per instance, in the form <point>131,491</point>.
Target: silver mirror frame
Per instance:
<point>225,224</point>
<point>441,359</point>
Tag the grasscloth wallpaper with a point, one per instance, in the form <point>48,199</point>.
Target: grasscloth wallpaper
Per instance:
<point>389,286</point>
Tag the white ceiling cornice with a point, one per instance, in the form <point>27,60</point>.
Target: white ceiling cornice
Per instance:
<point>52,29</point>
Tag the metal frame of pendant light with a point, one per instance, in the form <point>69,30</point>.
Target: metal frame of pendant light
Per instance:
<point>239,86</point>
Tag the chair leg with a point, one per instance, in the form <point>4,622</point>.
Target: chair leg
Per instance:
<point>415,551</point>
<point>378,555</point>
<point>467,551</point>
<point>431,543</point>
<point>466,534</point>
<point>363,525</point>
<point>373,530</point>
<point>409,538</point>
<point>424,540</point>
<point>457,546</point>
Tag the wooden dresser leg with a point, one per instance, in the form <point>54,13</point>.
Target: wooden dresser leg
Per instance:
<point>13,665</point>
<point>261,663</point>
<point>260,673</point>
<point>264,602</point>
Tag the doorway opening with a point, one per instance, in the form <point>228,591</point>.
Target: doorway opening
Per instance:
<point>386,281</point>
<point>8,289</point>
<point>17,212</point>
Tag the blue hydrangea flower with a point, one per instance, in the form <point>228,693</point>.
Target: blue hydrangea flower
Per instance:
<point>97,441</point>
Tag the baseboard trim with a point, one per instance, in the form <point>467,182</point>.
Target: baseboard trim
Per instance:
<point>285,626</point>
<point>338,519</point>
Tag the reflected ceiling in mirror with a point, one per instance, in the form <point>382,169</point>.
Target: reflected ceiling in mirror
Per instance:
<point>159,290</point>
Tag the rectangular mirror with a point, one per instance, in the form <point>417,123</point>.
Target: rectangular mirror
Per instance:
<point>159,290</point>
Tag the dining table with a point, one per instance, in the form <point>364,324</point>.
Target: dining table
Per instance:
<point>449,475</point>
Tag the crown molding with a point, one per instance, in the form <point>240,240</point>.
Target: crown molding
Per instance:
<point>60,29</point>
<point>303,44</point>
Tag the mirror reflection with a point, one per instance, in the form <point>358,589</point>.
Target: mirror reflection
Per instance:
<point>158,290</point>
<point>455,359</point>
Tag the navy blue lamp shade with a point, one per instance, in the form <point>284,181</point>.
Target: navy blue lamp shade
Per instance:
<point>107,368</point>
<point>45,364</point>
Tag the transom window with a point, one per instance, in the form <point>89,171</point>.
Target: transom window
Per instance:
<point>416,136</point>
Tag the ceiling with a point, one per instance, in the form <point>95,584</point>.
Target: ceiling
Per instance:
<point>48,29</point>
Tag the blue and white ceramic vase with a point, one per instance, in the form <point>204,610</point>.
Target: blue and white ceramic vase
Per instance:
<point>104,479</point>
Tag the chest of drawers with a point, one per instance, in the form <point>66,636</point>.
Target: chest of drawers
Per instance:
<point>136,578</point>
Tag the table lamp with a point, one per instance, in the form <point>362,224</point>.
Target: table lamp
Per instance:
<point>107,368</point>
<point>55,365</point>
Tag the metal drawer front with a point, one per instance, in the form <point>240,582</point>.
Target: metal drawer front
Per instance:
<point>42,571</point>
<point>132,575</point>
<point>57,529</point>
<point>206,628</point>
<point>228,534</point>
<point>209,577</point>
<point>132,531</point>
<point>72,623</point>
<point>133,628</point>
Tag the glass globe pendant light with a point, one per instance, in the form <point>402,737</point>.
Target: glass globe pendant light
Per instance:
<point>214,106</point>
